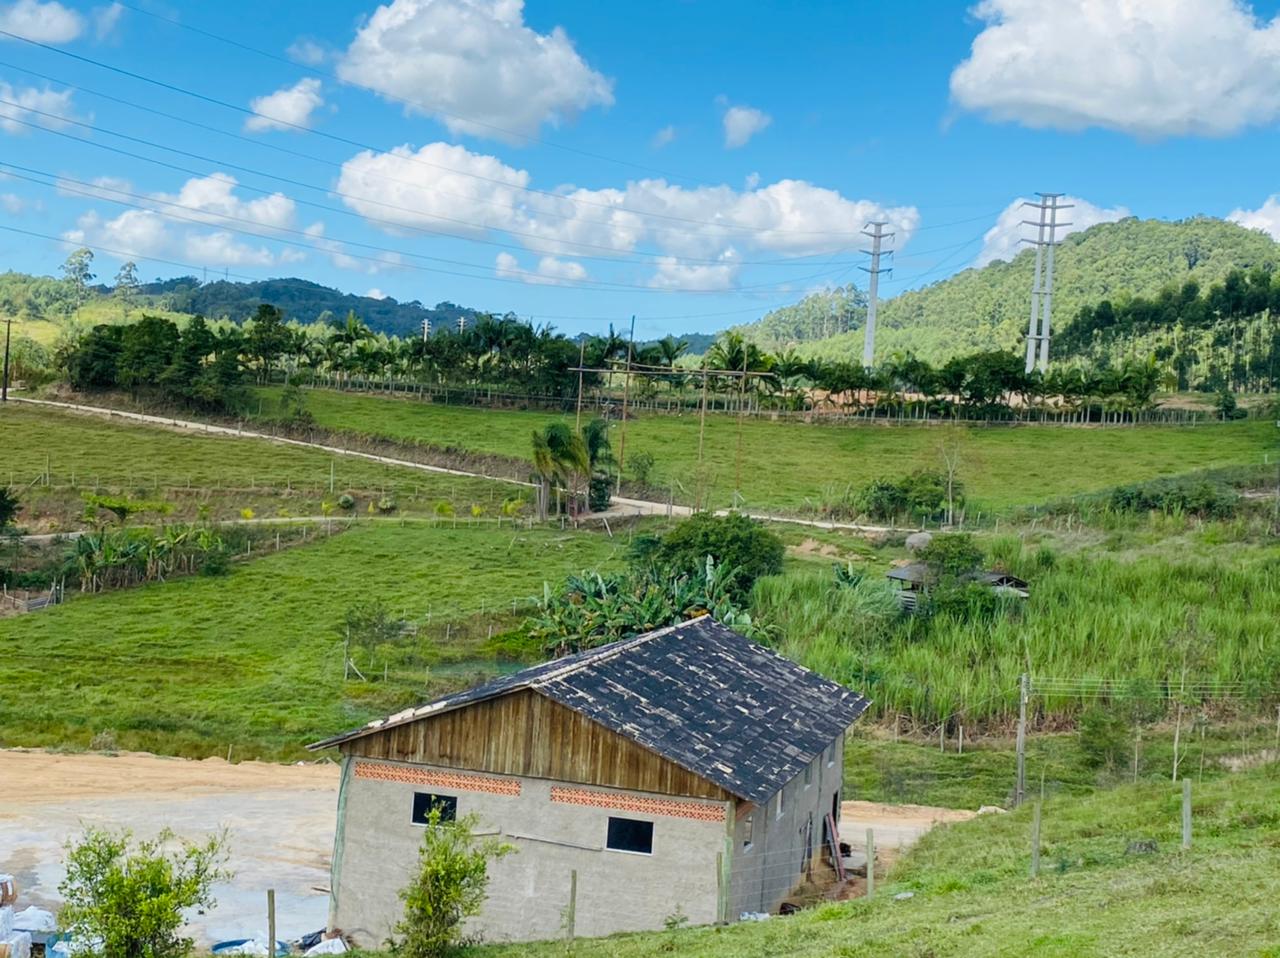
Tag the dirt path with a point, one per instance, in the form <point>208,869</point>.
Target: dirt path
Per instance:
<point>279,820</point>
<point>621,506</point>
<point>896,827</point>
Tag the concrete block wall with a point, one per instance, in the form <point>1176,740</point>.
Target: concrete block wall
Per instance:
<point>555,827</point>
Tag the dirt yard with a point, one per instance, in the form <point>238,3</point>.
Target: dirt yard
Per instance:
<point>279,820</point>
<point>896,827</point>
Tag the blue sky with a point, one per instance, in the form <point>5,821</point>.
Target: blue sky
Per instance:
<point>690,163</point>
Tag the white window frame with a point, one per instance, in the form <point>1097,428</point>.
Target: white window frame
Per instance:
<point>628,851</point>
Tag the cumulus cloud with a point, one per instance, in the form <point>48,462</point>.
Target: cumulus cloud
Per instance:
<point>1002,240</point>
<point>673,274</point>
<point>448,188</point>
<point>550,271</point>
<point>1266,217</point>
<point>474,65</point>
<point>1151,68</point>
<point>741,123</point>
<point>375,293</point>
<point>370,263</point>
<point>663,137</point>
<point>49,22</point>
<point>168,230</point>
<point>286,109</point>
<point>31,103</point>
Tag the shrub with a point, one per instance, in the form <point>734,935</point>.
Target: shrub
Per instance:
<point>743,548</point>
<point>1197,497</point>
<point>951,555</point>
<point>8,506</point>
<point>641,466</point>
<point>1104,737</point>
<point>599,493</point>
<point>449,887</point>
<point>444,509</point>
<point>104,741</point>
<point>921,495</point>
<point>346,501</point>
<point>132,898</point>
<point>386,504</point>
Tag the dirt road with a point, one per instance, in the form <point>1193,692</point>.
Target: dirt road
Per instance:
<point>896,827</point>
<point>279,821</point>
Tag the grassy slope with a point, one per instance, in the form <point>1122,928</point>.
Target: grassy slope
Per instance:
<point>972,896</point>
<point>190,666</point>
<point>119,455</point>
<point>786,464</point>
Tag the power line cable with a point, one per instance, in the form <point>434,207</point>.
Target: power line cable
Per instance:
<point>559,197</point>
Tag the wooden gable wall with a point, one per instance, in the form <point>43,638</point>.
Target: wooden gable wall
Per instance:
<point>525,733</point>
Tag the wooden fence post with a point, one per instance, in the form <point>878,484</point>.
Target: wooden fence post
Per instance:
<point>571,914</point>
<point>871,862</point>
<point>1186,814</point>
<point>1035,840</point>
<point>271,922</point>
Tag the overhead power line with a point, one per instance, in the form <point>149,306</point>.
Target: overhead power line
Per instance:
<point>418,160</point>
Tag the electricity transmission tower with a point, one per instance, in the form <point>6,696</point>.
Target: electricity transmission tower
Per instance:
<point>1038,328</point>
<point>426,329</point>
<point>462,325</point>
<point>878,235</point>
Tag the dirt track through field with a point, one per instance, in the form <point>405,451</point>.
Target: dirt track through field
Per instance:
<point>621,506</point>
<point>279,821</point>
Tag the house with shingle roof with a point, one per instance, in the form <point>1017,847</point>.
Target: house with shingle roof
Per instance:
<point>688,771</point>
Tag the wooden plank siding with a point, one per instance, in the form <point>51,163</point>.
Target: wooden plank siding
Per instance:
<point>525,733</point>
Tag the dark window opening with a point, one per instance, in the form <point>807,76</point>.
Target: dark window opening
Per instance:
<point>424,802</point>
<point>630,835</point>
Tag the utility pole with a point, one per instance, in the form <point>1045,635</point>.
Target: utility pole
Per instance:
<point>1042,285</point>
<point>4,383</point>
<point>582,353</point>
<point>878,235</point>
<point>626,395</point>
<point>426,329</point>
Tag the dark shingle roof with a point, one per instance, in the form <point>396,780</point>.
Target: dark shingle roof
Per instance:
<point>699,694</point>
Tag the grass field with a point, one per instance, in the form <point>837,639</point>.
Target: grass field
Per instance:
<point>972,898</point>
<point>788,465</point>
<point>83,452</point>
<point>254,660</point>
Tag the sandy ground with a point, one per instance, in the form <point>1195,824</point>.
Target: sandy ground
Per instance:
<point>279,821</point>
<point>896,827</point>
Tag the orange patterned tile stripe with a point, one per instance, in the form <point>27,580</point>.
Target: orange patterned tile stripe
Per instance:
<point>669,807</point>
<point>423,776</point>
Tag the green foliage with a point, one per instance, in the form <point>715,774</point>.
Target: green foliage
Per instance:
<point>1188,496</point>
<point>9,507</point>
<point>369,624</point>
<point>952,554</point>
<point>921,495</point>
<point>346,501</point>
<point>594,609</point>
<point>1105,737</point>
<point>744,548</point>
<point>599,493</point>
<point>127,900</point>
<point>450,885</point>
<point>293,406</point>
<point>817,316</point>
<point>641,466</point>
<point>122,507</point>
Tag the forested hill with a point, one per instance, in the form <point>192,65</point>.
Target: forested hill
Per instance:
<point>299,299</point>
<point>818,316</point>
<point>988,307</point>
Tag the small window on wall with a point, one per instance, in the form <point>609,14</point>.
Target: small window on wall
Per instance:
<point>831,754</point>
<point>808,775</point>
<point>781,801</point>
<point>424,802</point>
<point>630,835</point>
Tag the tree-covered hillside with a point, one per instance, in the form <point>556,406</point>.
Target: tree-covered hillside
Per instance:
<point>819,315</point>
<point>298,299</point>
<point>988,307</point>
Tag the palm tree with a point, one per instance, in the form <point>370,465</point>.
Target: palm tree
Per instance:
<point>559,455</point>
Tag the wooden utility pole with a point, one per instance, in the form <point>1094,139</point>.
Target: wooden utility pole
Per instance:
<point>4,382</point>
<point>582,352</point>
<point>742,396</point>
<point>1024,692</point>
<point>571,913</point>
<point>1186,814</point>
<point>702,433</point>
<point>1035,840</point>
<point>626,395</point>
<point>271,922</point>
<point>871,862</point>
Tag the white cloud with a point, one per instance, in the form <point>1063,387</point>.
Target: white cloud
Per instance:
<point>376,293</point>
<point>1151,68</point>
<point>672,274</point>
<point>286,109</point>
<point>138,233</point>
<point>1265,218</point>
<point>371,263</point>
<point>307,51</point>
<point>1002,240</point>
<point>212,199</point>
<point>663,137</point>
<point>12,203</point>
<point>473,64</point>
<point>106,19</point>
<point>52,103</point>
<point>102,187</point>
<point>43,22</point>
<point>550,271</point>
<point>741,123</point>
<point>449,189</point>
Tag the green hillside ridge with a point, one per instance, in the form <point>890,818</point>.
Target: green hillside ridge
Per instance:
<point>981,308</point>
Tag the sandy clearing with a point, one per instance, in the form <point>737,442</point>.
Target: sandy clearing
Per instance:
<point>279,820</point>
<point>896,827</point>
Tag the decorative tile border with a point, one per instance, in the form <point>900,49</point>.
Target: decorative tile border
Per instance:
<point>424,776</point>
<point>669,807</point>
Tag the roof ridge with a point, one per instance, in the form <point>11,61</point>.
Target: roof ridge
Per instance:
<point>610,651</point>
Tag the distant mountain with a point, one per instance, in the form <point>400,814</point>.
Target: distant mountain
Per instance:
<point>299,299</point>
<point>988,307</point>
<point>818,316</point>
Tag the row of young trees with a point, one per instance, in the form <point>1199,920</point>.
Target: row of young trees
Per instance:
<point>1225,336</point>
